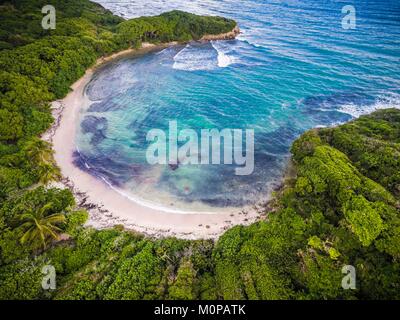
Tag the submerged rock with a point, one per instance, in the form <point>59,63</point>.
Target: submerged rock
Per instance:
<point>97,126</point>
<point>173,166</point>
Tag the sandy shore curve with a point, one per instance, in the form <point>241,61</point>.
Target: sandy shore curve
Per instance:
<point>105,205</point>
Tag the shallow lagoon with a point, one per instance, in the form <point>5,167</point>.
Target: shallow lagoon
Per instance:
<point>289,71</point>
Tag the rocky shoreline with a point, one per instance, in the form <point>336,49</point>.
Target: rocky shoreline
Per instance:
<point>223,36</point>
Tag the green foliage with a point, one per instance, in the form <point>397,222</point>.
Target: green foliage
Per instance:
<point>31,219</point>
<point>137,276</point>
<point>171,26</point>
<point>38,226</point>
<point>321,276</point>
<point>342,206</point>
<point>184,285</point>
<point>74,220</point>
<point>364,219</point>
<point>373,145</point>
<point>21,280</point>
<point>10,125</point>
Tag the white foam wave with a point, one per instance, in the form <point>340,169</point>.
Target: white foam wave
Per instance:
<point>250,36</point>
<point>193,58</point>
<point>204,57</point>
<point>243,38</point>
<point>383,102</point>
<point>224,60</point>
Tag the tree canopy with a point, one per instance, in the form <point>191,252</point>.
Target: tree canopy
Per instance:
<point>340,206</point>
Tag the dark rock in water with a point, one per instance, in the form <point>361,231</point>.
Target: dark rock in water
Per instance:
<point>102,166</point>
<point>97,126</point>
<point>173,166</point>
<point>222,202</point>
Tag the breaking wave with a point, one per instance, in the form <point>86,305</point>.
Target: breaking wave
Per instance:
<point>223,49</point>
<point>194,58</point>
<point>390,100</point>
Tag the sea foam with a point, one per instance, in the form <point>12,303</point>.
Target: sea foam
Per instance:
<point>390,100</point>
<point>194,58</point>
<point>224,59</point>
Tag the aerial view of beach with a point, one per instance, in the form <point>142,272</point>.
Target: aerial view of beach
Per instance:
<point>181,151</point>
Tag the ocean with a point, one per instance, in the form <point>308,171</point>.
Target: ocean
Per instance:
<point>294,67</point>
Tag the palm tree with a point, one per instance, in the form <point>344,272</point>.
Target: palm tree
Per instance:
<point>41,154</point>
<point>48,172</point>
<point>39,151</point>
<point>37,226</point>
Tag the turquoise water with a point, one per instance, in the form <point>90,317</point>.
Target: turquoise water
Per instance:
<point>293,68</point>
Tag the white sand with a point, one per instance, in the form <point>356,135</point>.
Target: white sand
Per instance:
<point>106,206</point>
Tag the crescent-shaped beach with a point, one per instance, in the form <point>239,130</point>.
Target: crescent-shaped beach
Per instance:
<point>109,206</point>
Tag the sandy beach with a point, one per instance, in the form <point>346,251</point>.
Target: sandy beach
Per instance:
<point>106,206</point>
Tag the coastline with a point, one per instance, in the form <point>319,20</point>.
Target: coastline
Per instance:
<point>312,111</point>
<point>224,36</point>
<point>114,208</point>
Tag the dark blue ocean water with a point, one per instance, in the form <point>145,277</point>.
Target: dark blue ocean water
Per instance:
<point>293,68</point>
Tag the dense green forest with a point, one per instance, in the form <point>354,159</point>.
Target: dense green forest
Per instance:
<point>339,206</point>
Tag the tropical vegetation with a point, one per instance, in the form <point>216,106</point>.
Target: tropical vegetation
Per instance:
<point>339,204</point>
